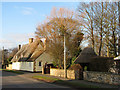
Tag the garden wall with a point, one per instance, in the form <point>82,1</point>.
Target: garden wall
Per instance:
<point>102,77</point>
<point>9,67</point>
<point>71,74</point>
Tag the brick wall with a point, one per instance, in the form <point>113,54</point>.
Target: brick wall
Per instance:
<point>102,77</point>
<point>71,74</point>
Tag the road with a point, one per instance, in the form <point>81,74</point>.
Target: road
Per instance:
<point>12,80</point>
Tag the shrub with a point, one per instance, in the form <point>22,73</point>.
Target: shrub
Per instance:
<point>76,67</point>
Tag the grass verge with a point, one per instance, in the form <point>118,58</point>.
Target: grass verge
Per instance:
<point>46,79</point>
<point>13,71</point>
<point>64,83</point>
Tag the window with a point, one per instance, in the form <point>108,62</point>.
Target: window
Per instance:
<point>39,63</point>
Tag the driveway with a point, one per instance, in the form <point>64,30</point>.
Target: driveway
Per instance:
<point>12,80</point>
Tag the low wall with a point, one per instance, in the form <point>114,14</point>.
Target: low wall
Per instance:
<point>102,77</point>
<point>9,67</point>
<point>71,74</point>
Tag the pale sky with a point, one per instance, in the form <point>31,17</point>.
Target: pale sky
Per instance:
<point>20,19</point>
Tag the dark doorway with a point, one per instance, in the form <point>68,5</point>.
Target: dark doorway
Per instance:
<point>47,68</point>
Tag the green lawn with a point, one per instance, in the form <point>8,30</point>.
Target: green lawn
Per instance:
<point>47,79</point>
<point>14,71</point>
<point>65,83</point>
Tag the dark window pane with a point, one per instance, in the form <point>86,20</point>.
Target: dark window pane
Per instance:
<point>39,63</point>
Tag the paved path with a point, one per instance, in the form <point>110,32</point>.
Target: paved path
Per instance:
<point>12,80</point>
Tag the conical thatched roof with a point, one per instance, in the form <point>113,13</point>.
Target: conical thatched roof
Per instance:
<point>86,55</point>
<point>29,52</point>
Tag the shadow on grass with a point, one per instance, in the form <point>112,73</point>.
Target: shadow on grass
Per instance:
<point>74,84</point>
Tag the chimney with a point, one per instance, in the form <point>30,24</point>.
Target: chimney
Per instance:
<point>19,47</point>
<point>30,40</point>
<point>44,42</point>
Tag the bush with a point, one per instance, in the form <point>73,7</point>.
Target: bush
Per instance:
<point>76,67</point>
<point>85,68</point>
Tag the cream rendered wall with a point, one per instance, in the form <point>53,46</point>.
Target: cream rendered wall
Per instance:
<point>39,68</point>
<point>26,66</point>
<point>45,57</point>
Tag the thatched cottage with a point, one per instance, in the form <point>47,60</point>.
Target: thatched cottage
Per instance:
<point>93,62</point>
<point>85,56</point>
<point>32,56</point>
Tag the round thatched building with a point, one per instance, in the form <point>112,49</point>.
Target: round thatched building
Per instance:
<point>85,56</point>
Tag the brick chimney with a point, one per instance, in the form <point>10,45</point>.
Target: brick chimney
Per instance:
<point>44,42</point>
<point>19,47</point>
<point>30,40</point>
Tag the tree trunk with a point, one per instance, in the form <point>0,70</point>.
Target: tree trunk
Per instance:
<point>92,39</point>
<point>101,32</point>
<point>92,32</point>
<point>119,46</point>
<point>115,52</point>
<point>107,51</point>
<point>119,31</point>
<point>100,45</point>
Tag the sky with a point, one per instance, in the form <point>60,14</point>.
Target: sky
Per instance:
<point>20,19</point>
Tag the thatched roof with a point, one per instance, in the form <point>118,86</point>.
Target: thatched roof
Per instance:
<point>46,58</point>
<point>86,55</point>
<point>29,52</point>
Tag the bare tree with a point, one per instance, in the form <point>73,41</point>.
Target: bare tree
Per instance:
<point>86,14</point>
<point>60,22</point>
<point>100,21</point>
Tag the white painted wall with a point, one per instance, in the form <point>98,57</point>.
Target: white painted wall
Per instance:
<point>26,66</point>
<point>16,65</point>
